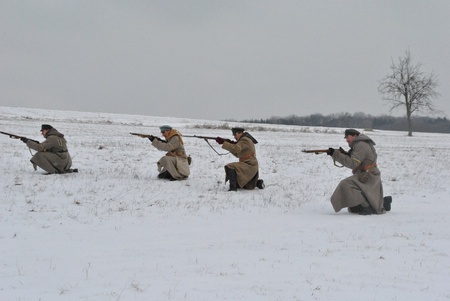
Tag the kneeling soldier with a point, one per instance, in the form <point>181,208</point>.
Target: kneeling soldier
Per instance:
<point>242,174</point>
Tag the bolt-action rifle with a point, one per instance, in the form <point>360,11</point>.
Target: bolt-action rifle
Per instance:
<point>141,135</point>
<point>321,151</point>
<point>208,138</point>
<point>324,151</point>
<point>146,136</point>
<point>201,137</point>
<point>14,136</point>
<point>24,139</point>
<point>315,151</point>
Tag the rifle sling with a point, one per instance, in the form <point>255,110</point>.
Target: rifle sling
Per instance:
<point>214,148</point>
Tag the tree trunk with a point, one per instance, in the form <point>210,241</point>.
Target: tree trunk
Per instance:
<point>408,117</point>
<point>408,111</point>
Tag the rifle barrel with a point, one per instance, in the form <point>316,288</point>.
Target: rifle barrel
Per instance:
<point>315,151</point>
<point>140,135</point>
<point>11,135</point>
<point>201,137</point>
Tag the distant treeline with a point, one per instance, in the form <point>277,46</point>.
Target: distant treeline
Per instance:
<point>363,121</point>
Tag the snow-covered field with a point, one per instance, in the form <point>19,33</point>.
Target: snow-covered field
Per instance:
<point>115,232</point>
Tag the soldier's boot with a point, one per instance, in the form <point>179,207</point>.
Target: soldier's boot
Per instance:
<point>387,201</point>
<point>355,209</point>
<point>366,208</point>
<point>260,184</point>
<point>232,177</point>
<point>166,175</point>
<point>367,211</point>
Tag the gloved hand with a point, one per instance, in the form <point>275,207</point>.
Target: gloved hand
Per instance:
<point>151,138</point>
<point>220,140</point>
<point>330,151</point>
<point>24,140</point>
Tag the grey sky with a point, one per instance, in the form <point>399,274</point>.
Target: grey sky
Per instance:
<point>216,59</point>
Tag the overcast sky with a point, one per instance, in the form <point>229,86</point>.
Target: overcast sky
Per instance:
<point>216,59</point>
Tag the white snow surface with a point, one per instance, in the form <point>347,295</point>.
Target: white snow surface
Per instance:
<point>114,231</point>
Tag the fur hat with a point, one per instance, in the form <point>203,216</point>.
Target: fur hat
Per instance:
<point>237,130</point>
<point>46,127</point>
<point>165,128</point>
<point>351,132</point>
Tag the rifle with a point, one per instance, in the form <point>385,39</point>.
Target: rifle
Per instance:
<point>201,137</point>
<point>315,151</point>
<point>14,136</point>
<point>142,135</point>
<point>24,139</point>
<point>146,136</point>
<point>206,138</point>
<point>321,151</point>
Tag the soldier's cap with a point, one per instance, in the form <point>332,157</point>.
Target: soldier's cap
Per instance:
<point>237,130</point>
<point>351,132</point>
<point>165,128</point>
<point>46,127</point>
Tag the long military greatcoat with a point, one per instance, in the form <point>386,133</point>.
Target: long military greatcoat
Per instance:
<point>247,167</point>
<point>351,191</point>
<point>52,154</point>
<point>175,161</point>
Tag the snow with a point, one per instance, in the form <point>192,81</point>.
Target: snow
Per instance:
<point>114,231</point>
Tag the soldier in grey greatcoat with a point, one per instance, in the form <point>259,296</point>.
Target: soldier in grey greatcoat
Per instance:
<point>174,165</point>
<point>242,174</point>
<point>52,154</point>
<point>362,192</point>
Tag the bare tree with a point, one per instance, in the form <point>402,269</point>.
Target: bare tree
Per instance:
<point>408,87</point>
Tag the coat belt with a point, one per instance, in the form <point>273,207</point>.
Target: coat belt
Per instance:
<point>246,157</point>
<point>367,167</point>
<point>177,154</point>
<point>364,168</point>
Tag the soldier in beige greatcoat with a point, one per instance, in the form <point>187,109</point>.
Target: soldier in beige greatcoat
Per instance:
<point>242,174</point>
<point>174,165</point>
